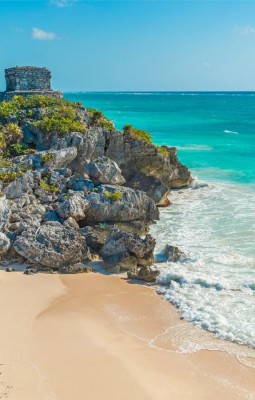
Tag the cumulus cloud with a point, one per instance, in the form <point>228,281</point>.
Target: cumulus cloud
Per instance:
<point>63,3</point>
<point>40,34</point>
<point>245,30</point>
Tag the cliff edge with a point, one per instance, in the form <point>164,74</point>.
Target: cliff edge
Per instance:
<point>73,188</point>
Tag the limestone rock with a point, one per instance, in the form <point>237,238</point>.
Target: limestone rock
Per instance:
<point>126,250</point>
<point>81,184</point>
<point>93,238</point>
<point>152,186</point>
<point>104,170</point>
<point>4,244</point>
<point>51,245</point>
<point>56,159</point>
<point>132,205</point>
<point>75,269</point>
<point>74,206</point>
<point>172,253</point>
<point>146,274</point>
<point>5,213</point>
<point>20,186</point>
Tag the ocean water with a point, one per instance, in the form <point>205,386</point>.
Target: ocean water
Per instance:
<point>213,222</point>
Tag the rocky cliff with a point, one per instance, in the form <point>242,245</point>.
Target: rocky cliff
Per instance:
<point>73,188</point>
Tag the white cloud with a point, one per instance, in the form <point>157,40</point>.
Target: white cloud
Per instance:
<point>40,34</point>
<point>63,3</point>
<point>245,30</point>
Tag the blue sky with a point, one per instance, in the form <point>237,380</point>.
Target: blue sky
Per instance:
<point>132,45</point>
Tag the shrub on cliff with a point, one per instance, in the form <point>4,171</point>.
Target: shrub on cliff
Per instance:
<point>19,149</point>
<point>116,196</point>
<point>47,187</point>
<point>59,124</point>
<point>10,176</point>
<point>97,118</point>
<point>137,133</point>
<point>163,150</point>
<point>10,134</point>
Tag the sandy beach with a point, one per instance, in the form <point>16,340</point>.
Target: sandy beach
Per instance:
<point>99,337</point>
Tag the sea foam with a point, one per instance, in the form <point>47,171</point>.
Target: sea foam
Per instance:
<point>213,287</point>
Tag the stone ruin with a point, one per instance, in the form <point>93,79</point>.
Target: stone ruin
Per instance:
<point>26,81</point>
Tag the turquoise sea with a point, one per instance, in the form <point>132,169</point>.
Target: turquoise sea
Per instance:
<point>213,222</point>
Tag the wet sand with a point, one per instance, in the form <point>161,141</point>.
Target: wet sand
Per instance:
<point>95,337</point>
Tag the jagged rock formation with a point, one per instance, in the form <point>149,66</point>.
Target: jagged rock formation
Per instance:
<point>146,274</point>
<point>73,188</point>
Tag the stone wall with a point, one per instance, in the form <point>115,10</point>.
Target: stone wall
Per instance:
<point>27,78</point>
<point>27,81</point>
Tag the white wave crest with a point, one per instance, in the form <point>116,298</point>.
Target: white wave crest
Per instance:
<point>214,286</point>
<point>233,132</point>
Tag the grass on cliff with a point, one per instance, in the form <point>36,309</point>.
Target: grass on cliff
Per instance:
<point>47,113</point>
<point>97,118</point>
<point>115,196</point>
<point>10,176</point>
<point>48,187</point>
<point>20,103</point>
<point>138,133</point>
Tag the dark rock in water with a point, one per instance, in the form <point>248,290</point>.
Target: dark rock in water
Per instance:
<point>9,269</point>
<point>172,253</point>
<point>52,245</point>
<point>104,170</point>
<point>4,244</point>
<point>146,274</point>
<point>126,250</point>
<point>75,269</point>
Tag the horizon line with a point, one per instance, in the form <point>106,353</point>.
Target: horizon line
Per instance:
<point>161,91</point>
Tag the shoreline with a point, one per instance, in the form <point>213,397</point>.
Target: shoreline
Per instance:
<point>66,335</point>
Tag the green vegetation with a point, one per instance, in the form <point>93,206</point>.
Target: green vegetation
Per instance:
<point>8,108</point>
<point>116,196</point>
<point>138,133</point>
<point>5,163</point>
<point>52,114</point>
<point>59,124</point>
<point>2,142</point>
<point>98,119</point>
<point>19,149</point>
<point>163,150</point>
<point>47,157</point>
<point>10,176</point>
<point>45,185</point>
<point>12,133</point>
<point>66,196</point>
<point>18,103</point>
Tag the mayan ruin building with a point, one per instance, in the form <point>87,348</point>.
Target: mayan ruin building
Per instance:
<point>25,81</point>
